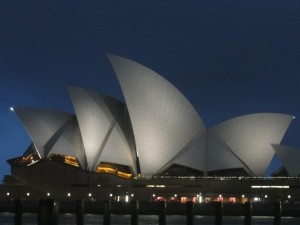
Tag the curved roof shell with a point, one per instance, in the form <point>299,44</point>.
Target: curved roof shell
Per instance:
<point>290,158</point>
<point>195,157</point>
<point>219,156</point>
<point>210,153</point>
<point>43,126</point>
<point>163,120</point>
<point>250,137</point>
<point>69,143</point>
<point>103,138</point>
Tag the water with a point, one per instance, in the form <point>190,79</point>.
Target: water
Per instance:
<point>90,219</point>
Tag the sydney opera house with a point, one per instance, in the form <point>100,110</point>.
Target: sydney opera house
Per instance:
<point>152,146</point>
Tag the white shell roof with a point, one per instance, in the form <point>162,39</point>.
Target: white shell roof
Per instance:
<point>163,120</point>
<point>117,150</point>
<point>249,138</point>
<point>290,158</point>
<point>41,125</point>
<point>219,155</point>
<point>209,154</point>
<point>70,143</point>
<point>99,129</point>
<point>196,156</point>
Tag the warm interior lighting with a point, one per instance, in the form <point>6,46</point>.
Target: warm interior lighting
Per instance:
<point>220,199</point>
<point>71,161</point>
<point>124,175</point>
<point>232,200</point>
<point>160,198</point>
<point>106,169</point>
<point>183,199</point>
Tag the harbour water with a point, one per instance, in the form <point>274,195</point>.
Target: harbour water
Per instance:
<point>92,219</point>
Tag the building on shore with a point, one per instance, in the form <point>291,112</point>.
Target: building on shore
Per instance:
<point>154,146</point>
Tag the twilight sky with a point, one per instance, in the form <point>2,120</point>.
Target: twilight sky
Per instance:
<point>229,58</point>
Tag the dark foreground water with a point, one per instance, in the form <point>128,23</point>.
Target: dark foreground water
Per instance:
<point>90,219</point>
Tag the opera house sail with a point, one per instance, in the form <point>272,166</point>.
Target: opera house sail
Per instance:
<point>163,120</point>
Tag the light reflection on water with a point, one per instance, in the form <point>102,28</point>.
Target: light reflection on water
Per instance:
<point>90,219</point>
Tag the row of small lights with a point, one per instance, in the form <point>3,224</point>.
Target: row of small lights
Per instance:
<point>257,198</point>
<point>132,195</point>
<point>27,194</point>
<point>220,196</point>
<point>69,194</point>
<point>243,196</point>
<point>48,194</point>
<point>289,196</point>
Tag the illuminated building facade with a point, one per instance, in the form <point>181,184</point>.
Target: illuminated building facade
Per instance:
<point>152,145</point>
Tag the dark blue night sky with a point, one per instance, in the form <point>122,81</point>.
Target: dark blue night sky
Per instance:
<point>229,58</point>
